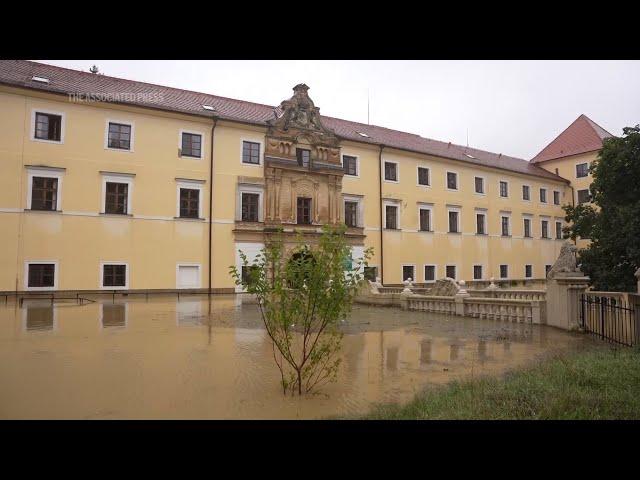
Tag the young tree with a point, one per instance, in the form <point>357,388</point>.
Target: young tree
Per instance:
<point>303,295</point>
<point>614,226</point>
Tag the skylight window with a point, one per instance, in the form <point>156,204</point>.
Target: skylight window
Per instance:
<point>470,156</point>
<point>40,79</point>
<point>208,107</point>
<point>363,134</point>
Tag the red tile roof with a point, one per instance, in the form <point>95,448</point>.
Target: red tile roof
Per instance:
<point>582,136</point>
<point>19,73</point>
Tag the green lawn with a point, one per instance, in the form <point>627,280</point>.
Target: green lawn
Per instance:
<point>602,383</point>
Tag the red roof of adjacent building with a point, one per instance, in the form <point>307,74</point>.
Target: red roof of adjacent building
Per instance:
<point>20,73</point>
<point>582,136</point>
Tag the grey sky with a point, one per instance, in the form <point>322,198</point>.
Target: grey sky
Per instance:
<point>509,107</point>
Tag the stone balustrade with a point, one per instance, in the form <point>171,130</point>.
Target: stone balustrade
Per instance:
<point>538,295</point>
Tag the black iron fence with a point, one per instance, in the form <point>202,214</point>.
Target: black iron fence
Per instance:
<point>613,317</point>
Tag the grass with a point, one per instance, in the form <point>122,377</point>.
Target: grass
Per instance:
<point>602,383</point>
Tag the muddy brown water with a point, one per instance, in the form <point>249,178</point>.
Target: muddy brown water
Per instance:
<point>167,359</point>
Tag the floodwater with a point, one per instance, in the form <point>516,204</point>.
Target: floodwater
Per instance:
<point>160,358</point>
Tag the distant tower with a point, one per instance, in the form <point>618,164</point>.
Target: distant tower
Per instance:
<point>94,69</point>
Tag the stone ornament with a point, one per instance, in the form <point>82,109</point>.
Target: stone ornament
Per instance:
<point>566,262</point>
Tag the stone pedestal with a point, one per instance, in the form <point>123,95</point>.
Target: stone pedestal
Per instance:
<point>563,299</point>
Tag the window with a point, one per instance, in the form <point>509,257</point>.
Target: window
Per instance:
<point>505,226</point>
<point>391,171</point>
<point>423,176</point>
<point>425,220</point>
<point>454,218</point>
<point>479,182</point>
<point>556,197</point>
<point>504,271</point>
<point>452,180</point>
<point>544,225</point>
<point>119,136</point>
<point>504,189</point>
<point>351,214</point>
<point>584,196</point>
<point>451,271</point>
<point>44,193</point>
<point>559,230</point>
<point>251,153</point>
<point>189,202</point>
<point>543,195</point>
<point>408,272</point>
<point>304,157</point>
<point>191,145</point>
<point>188,275</point>
<point>370,273</point>
<point>350,165</point>
<point>528,271</point>
<point>48,126</point>
<point>391,220</point>
<point>249,273</point>
<point>250,202</point>
<point>429,273</point>
<point>546,270</point>
<point>527,228</point>
<point>304,211</point>
<point>526,192</point>
<point>481,219</point>
<point>114,275</point>
<point>41,275</point>
<point>116,198</point>
<point>477,272</point>
<point>582,170</point>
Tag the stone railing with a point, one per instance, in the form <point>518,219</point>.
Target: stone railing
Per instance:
<point>539,295</point>
<point>435,304</point>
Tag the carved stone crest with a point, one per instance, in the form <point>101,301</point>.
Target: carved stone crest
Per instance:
<point>566,262</point>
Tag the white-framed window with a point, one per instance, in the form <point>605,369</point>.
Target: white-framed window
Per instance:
<point>481,222</point>
<point>44,188</point>
<point>582,170</point>
<point>451,271</point>
<point>117,191</point>
<point>479,183</point>
<point>504,189</point>
<point>505,224</point>
<point>478,271</point>
<point>353,207</point>
<point>251,151</point>
<point>47,126</point>
<point>425,217</point>
<point>191,144</point>
<point>119,135</point>
<point>351,165</point>
<point>189,198</point>
<point>41,275</point>
<point>391,212</point>
<point>451,180</point>
<point>556,197</point>
<point>114,275</point>
<point>526,193</point>
<point>546,270</point>
<point>544,229</point>
<point>528,271</point>
<point>504,271</point>
<point>584,196</point>
<point>391,171</point>
<point>424,176</point>
<point>453,217</point>
<point>558,229</point>
<point>409,272</point>
<point>430,272</point>
<point>188,275</point>
<point>251,250</point>
<point>526,227</point>
<point>249,202</point>
<point>543,195</point>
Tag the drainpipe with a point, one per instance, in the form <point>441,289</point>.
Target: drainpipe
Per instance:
<point>213,128</point>
<point>381,226</point>
<point>573,204</point>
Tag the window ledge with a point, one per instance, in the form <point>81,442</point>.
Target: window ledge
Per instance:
<point>505,236</point>
<point>482,234</point>
<point>41,211</point>
<point>425,231</point>
<point>192,219</point>
<point>393,229</point>
<point>455,233</point>
<point>116,214</point>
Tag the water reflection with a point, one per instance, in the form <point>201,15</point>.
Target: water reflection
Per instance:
<point>198,359</point>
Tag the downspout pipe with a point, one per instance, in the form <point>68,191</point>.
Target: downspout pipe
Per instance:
<point>381,226</point>
<point>573,204</point>
<point>213,131</point>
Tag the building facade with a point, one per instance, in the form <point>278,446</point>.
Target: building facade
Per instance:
<point>111,184</point>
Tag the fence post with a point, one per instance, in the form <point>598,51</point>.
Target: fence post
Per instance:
<point>563,299</point>
<point>635,301</point>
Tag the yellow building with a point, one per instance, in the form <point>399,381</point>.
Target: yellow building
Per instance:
<point>111,184</point>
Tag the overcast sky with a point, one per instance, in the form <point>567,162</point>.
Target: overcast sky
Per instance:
<point>509,107</point>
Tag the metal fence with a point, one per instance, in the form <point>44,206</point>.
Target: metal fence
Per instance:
<point>613,317</point>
